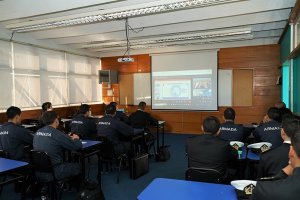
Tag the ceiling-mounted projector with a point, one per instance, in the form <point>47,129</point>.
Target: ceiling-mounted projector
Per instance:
<point>126,59</point>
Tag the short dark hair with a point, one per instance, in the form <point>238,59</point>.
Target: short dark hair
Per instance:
<point>110,109</point>
<point>84,108</point>
<point>114,103</point>
<point>46,106</point>
<point>49,117</point>
<point>12,111</point>
<point>295,141</point>
<point>274,113</point>
<point>211,125</point>
<point>229,113</point>
<point>280,104</point>
<point>290,125</point>
<point>142,104</point>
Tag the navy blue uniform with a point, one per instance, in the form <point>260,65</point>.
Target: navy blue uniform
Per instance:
<point>269,132</point>
<point>141,119</point>
<point>231,132</point>
<point>283,189</point>
<point>116,131</point>
<point>54,142</point>
<point>122,117</point>
<point>85,127</point>
<point>13,138</point>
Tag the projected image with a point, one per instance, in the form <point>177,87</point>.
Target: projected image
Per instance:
<point>202,87</point>
<point>173,90</point>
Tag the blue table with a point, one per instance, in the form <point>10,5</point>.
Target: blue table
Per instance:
<point>253,156</point>
<point>8,165</point>
<point>171,189</point>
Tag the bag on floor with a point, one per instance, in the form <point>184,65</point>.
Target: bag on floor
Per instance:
<point>139,166</point>
<point>163,153</point>
<point>91,191</point>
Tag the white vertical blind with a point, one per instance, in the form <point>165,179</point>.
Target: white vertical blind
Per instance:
<point>41,75</point>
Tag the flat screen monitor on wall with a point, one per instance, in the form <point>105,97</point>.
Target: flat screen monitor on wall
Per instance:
<point>186,81</point>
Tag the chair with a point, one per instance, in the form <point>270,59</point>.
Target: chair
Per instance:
<point>203,175</point>
<point>107,155</point>
<point>41,162</point>
<point>3,154</point>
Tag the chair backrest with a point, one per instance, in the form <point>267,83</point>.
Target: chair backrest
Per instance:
<point>41,161</point>
<point>203,175</point>
<point>3,154</point>
<point>106,148</point>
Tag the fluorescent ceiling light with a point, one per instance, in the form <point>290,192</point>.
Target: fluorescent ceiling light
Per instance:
<point>181,43</point>
<point>187,4</point>
<point>177,37</point>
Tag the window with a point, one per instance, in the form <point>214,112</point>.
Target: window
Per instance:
<point>30,76</point>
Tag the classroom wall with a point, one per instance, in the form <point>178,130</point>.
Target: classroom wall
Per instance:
<point>263,60</point>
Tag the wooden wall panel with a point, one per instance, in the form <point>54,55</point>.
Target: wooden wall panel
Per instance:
<point>263,60</point>
<point>97,109</point>
<point>242,87</point>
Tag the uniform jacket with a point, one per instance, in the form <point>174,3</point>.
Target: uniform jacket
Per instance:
<point>231,132</point>
<point>114,129</point>
<point>13,138</point>
<point>141,119</point>
<point>269,132</point>
<point>122,117</point>
<point>53,142</point>
<point>284,189</point>
<point>273,161</point>
<point>84,126</point>
<point>208,151</point>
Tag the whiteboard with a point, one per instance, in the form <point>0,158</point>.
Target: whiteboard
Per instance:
<point>142,87</point>
<point>225,87</point>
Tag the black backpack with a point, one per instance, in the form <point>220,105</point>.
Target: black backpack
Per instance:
<point>163,153</point>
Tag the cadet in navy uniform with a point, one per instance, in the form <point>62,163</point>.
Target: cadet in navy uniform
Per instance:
<point>269,131</point>
<point>53,142</point>
<point>271,162</point>
<point>115,130</point>
<point>14,137</point>
<point>119,114</point>
<point>287,188</point>
<point>140,118</point>
<point>209,151</point>
<point>82,124</point>
<point>229,130</point>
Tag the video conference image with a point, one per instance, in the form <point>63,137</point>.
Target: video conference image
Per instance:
<point>188,89</point>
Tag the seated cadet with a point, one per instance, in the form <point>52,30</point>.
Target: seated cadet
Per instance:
<point>209,151</point>
<point>14,137</point>
<point>229,130</point>
<point>82,124</point>
<point>47,106</point>
<point>269,131</point>
<point>271,162</point>
<point>119,114</point>
<point>54,142</point>
<point>115,130</point>
<point>286,188</point>
<point>140,118</point>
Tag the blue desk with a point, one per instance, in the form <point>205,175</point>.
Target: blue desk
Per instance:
<point>89,143</point>
<point>171,189</point>
<point>8,165</point>
<point>253,156</point>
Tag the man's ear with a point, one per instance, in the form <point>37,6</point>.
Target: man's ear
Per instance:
<point>283,134</point>
<point>202,128</point>
<point>291,153</point>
